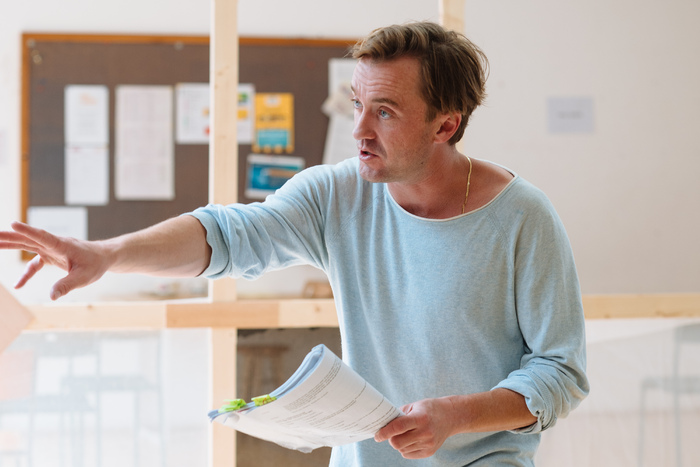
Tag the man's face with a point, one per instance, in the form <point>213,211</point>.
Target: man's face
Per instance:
<point>394,140</point>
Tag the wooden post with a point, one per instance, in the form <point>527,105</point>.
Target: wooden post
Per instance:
<point>223,380</point>
<point>452,17</point>
<point>223,146</point>
<point>452,14</point>
<point>223,189</point>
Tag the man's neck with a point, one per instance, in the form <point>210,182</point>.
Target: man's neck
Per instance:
<point>439,193</point>
<point>442,194</point>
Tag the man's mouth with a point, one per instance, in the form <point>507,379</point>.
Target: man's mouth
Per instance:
<point>365,154</point>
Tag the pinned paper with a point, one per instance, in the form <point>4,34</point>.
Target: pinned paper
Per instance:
<point>192,116</point>
<point>340,144</point>
<point>274,123</point>
<point>570,114</point>
<point>65,221</point>
<point>268,173</point>
<point>246,113</point>
<point>86,116</point>
<point>144,147</point>
<point>87,175</point>
<point>193,119</point>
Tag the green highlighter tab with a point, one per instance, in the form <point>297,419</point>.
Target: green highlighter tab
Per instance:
<point>262,400</point>
<point>232,405</point>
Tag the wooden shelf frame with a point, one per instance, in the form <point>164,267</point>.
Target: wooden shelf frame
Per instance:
<point>299,313</point>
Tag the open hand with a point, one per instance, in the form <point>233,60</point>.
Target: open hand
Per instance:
<point>84,261</point>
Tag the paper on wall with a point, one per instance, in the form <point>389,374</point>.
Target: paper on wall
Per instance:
<point>267,173</point>
<point>340,144</point>
<point>193,120</point>
<point>274,123</point>
<point>246,113</point>
<point>87,175</point>
<point>192,116</point>
<point>86,132</point>
<point>86,115</point>
<point>144,149</point>
<point>65,221</point>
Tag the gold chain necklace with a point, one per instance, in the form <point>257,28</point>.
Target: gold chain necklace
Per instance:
<point>469,180</point>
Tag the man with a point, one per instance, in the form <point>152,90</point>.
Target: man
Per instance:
<point>454,280</point>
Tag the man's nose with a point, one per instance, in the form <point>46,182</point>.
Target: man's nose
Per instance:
<point>363,127</point>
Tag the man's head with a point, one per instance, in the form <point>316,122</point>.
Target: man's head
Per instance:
<point>453,69</point>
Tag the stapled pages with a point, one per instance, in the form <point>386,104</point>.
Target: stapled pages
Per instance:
<point>324,403</point>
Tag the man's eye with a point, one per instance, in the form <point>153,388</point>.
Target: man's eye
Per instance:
<point>356,104</point>
<point>384,114</point>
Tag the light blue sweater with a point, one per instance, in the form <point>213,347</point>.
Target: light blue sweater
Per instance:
<point>427,308</point>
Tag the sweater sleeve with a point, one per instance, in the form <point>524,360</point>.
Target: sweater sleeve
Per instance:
<point>287,229</point>
<point>552,375</point>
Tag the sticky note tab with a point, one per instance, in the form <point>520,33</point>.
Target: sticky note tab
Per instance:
<point>232,405</point>
<point>262,400</point>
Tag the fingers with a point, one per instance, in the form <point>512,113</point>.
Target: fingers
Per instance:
<point>396,427</point>
<point>32,268</point>
<point>36,236</point>
<point>19,241</point>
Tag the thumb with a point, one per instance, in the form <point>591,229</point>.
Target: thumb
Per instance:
<point>77,277</point>
<point>57,291</point>
<point>63,286</point>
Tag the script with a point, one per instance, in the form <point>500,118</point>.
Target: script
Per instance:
<point>324,403</point>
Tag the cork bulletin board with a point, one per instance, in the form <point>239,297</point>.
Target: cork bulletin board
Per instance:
<point>52,62</point>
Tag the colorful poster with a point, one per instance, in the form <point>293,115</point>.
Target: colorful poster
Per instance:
<point>274,123</point>
<point>268,173</point>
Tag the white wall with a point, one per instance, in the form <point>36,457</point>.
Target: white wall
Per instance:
<point>306,18</point>
<point>626,192</point>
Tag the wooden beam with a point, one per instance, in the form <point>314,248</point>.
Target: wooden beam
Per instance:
<point>223,189</point>
<point>642,306</point>
<point>451,13</point>
<point>223,144</point>
<point>222,376</point>
<point>254,314</point>
<point>298,313</point>
<point>99,316</point>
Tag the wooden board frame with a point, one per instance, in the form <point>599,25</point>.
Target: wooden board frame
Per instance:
<point>44,75</point>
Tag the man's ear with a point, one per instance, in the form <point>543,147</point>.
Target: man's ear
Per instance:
<point>449,125</point>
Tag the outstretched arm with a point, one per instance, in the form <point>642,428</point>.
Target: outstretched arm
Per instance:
<point>175,248</point>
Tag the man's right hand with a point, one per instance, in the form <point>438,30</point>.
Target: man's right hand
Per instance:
<point>176,247</point>
<point>84,261</point>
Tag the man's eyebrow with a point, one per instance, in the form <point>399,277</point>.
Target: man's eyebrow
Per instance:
<point>380,100</point>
